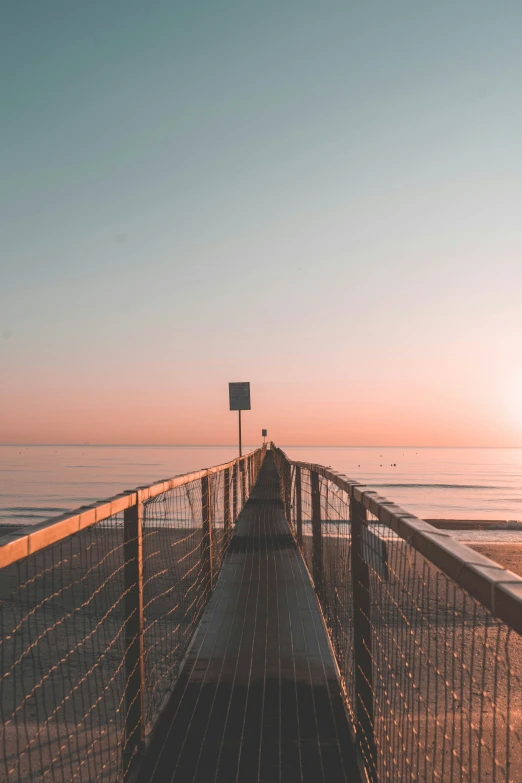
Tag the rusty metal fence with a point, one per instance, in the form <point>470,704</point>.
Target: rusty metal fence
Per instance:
<point>97,609</point>
<point>426,633</point>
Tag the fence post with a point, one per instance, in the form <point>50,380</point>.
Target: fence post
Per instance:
<point>206,536</point>
<point>317,541</point>
<point>226,508</point>
<point>134,660</point>
<point>298,507</point>
<point>362,642</point>
<point>288,494</point>
<point>243,482</point>
<point>234,492</point>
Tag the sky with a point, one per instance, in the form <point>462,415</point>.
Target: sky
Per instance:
<point>324,199</point>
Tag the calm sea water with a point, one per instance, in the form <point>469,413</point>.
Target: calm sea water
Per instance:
<point>38,482</point>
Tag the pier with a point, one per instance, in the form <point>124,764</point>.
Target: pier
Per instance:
<point>262,620</point>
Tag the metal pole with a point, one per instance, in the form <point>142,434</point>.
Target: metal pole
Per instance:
<point>226,508</point>
<point>298,507</point>
<point>206,538</point>
<point>317,541</point>
<point>288,494</point>
<point>240,451</point>
<point>362,641</point>
<point>133,660</point>
<point>234,492</point>
<point>242,467</point>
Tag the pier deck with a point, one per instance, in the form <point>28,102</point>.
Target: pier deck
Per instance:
<point>258,698</point>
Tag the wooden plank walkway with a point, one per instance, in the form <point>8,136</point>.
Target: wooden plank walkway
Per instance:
<point>258,698</point>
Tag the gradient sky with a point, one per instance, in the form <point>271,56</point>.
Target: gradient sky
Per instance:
<point>323,198</point>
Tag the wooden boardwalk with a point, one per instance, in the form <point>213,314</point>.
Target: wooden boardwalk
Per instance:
<point>258,698</point>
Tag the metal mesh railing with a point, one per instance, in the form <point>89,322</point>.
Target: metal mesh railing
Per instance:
<point>174,582</point>
<point>96,612</point>
<point>426,633</point>
<point>62,650</point>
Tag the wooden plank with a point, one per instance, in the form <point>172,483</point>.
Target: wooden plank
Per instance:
<point>258,698</point>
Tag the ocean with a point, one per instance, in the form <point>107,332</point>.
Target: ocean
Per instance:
<point>38,482</point>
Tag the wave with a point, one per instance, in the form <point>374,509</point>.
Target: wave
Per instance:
<point>437,486</point>
<point>39,509</point>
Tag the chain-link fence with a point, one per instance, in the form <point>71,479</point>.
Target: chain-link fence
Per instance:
<point>97,609</point>
<point>426,633</point>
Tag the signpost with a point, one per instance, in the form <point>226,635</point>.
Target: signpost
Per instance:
<point>264,433</point>
<point>239,394</point>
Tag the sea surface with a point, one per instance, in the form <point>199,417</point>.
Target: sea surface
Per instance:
<point>39,482</point>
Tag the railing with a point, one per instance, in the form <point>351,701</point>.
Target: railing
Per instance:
<point>426,633</point>
<point>97,609</point>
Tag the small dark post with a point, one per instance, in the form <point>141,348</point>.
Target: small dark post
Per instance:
<point>206,536</point>
<point>362,642</point>
<point>134,660</point>
<point>234,492</point>
<point>317,541</point>
<point>298,507</point>
<point>226,508</point>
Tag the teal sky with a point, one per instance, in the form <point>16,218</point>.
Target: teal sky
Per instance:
<point>322,198</point>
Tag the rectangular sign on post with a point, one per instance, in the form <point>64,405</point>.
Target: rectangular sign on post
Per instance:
<point>264,433</point>
<point>239,394</point>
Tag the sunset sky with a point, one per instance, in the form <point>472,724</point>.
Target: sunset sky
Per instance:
<point>321,198</point>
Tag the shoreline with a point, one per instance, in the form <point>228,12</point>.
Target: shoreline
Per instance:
<point>475,524</point>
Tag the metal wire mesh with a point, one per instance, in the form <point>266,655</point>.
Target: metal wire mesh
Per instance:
<point>432,679</point>
<point>174,586</point>
<point>446,674</point>
<point>61,654</point>
<point>95,626</point>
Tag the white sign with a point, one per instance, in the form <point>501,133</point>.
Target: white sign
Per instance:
<point>239,394</point>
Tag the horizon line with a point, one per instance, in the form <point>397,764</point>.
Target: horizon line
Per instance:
<point>235,445</point>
